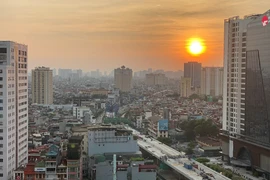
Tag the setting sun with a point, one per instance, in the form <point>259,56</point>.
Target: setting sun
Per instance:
<point>195,46</point>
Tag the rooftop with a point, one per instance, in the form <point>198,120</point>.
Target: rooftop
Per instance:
<point>51,153</point>
<point>40,164</point>
<point>109,127</point>
<point>147,166</point>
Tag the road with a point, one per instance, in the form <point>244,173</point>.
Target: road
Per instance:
<point>175,159</point>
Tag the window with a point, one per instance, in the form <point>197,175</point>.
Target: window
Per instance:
<point>1,78</point>
<point>1,116</point>
<point>1,160</point>
<point>1,108</point>
<point>3,50</point>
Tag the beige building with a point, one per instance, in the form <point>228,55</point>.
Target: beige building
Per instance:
<point>42,85</point>
<point>185,87</point>
<point>155,79</point>
<point>123,78</point>
<point>212,81</point>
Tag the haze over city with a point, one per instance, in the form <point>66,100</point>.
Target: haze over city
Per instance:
<point>134,90</point>
<point>107,34</point>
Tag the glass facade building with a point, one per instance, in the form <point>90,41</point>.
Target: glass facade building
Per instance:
<point>257,95</point>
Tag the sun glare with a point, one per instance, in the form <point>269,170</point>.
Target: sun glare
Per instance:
<point>195,46</point>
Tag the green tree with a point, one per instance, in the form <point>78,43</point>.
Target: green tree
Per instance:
<point>194,96</point>
<point>189,151</point>
<point>202,160</point>
<point>99,96</point>
<point>201,127</point>
<point>165,140</point>
<point>192,145</point>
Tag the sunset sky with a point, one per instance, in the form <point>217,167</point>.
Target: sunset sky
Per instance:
<point>105,34</point>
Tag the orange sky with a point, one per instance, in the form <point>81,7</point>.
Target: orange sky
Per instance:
<point>105,34</point>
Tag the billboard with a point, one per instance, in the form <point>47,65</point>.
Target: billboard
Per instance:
<point>265,20</point>
<point>163,125</point>
<point>40,169</point>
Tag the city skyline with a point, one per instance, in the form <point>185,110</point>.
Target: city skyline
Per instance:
<point>107,35</point>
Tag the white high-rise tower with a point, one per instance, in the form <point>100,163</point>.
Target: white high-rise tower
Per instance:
<point>13,107</point>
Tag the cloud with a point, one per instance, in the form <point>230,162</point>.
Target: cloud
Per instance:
<point>145,28</point>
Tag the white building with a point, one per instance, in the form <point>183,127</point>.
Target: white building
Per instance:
<point>234,73</point>
<point>110,139</point>
<point>54,72</point>
<point>79,111</point>
<point>212,81</point>
<point>139,121</point>
<point>148,114</point>
<point>37,140</point>
<point>13,107</point>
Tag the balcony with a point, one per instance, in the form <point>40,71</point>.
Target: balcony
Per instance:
<point>61,171</point>
<point>50,170</point>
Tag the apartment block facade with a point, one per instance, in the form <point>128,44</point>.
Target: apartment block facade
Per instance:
<point>123,79</point>
<point>155,79</point>
<point>192,70</point>
<point>211,81</point>
<point>185,87</point>
<point>13,107</point>
<point>246,123</point>
<point>42,85</point>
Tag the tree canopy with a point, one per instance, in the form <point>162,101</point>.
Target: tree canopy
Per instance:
<point>165,140</point>
<point>194,96</point>
<point>117,121</point>
<point>99,96</point>
<point>202,127</point>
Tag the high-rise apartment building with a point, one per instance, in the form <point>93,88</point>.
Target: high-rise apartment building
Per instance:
<point>79,72</point>
<point>193,70</point>
<point>13,107</point>
<point>65,73</point>
<point>211,81</point>
<point>42,85</point>
<point>123,78</point>
<point>235,30</point>
<point>246,92</point>
<point>54,72</point>
<point>185,87</point>
<point>155,79</point>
